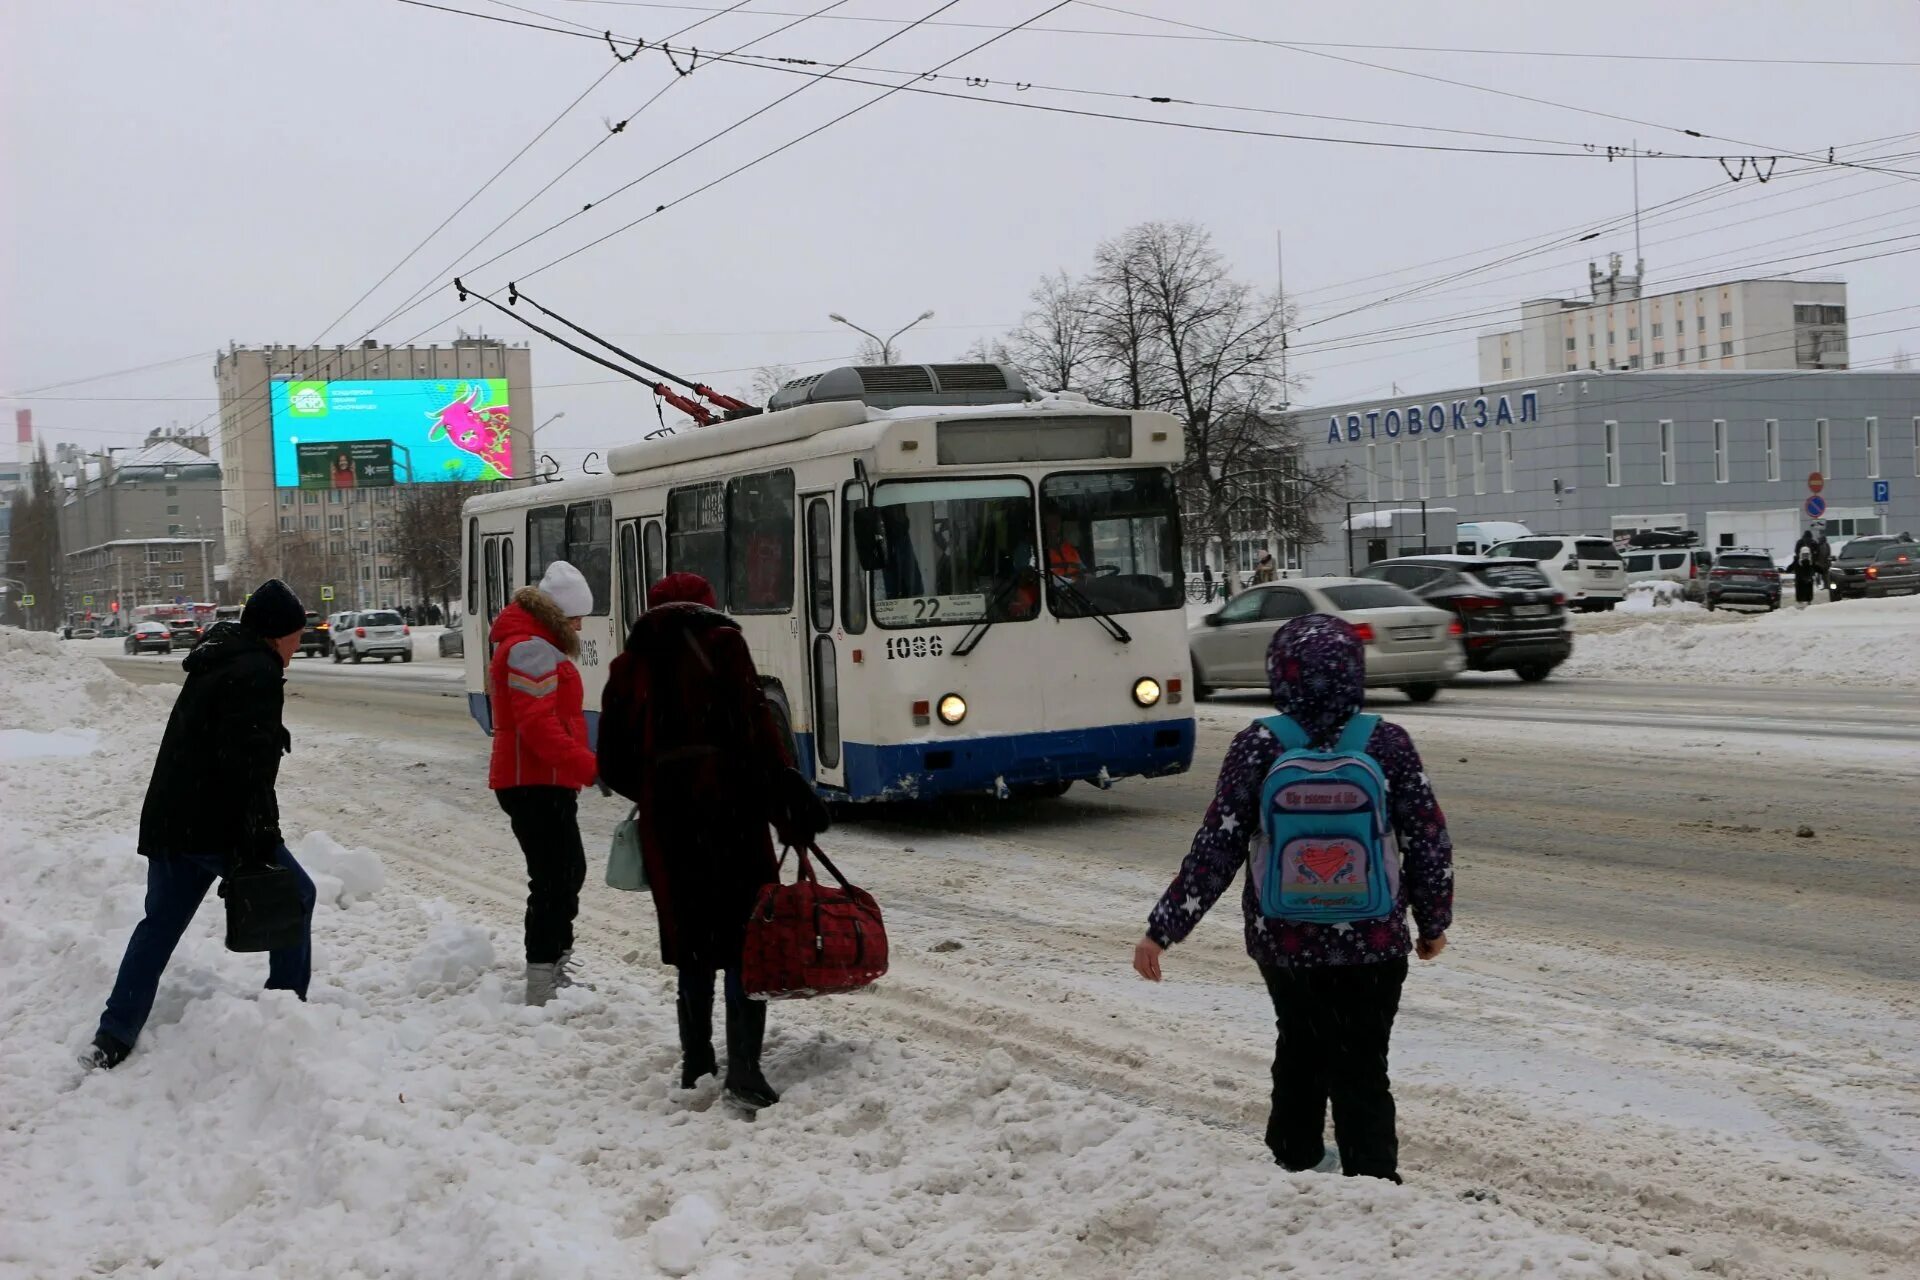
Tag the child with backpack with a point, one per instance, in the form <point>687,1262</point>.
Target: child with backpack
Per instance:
<point>1333,815</point>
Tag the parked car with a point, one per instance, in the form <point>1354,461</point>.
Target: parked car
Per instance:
<point>1474,537</point>
<point>149,637</point>
<point>1895,571</point>
<point>1688,566</point>
<point>82,633</point>
<point>316,638</point>
<point>373,633</point>
<point>1743,575</point>
<point>1511,617</point>
<point>1847,574</point>
<point>1410,644</point>
<point>1585,568</point>
<point>187,633</point>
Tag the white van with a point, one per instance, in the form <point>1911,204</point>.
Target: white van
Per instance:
<point>1687,566</point>
<point>1474,537</point>
<point>1586,568</point>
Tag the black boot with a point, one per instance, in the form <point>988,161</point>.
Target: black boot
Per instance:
<point>746,1032</point>
<point>105,1053</point>
<point>696,1036</point>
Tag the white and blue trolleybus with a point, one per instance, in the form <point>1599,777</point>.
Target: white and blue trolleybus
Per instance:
<point>949,584</point>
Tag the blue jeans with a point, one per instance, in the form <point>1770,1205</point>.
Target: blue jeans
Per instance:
<point>176,885</point>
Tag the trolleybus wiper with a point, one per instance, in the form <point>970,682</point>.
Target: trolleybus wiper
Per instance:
<point>978,631</point>
<point>1093,610</point>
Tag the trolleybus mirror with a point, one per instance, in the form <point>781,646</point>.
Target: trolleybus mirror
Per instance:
<point>869,539</point>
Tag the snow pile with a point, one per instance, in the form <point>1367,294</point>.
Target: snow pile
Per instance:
<point>340,875</point>
<point>1854,642</point>
<point>44,687</point>
<point>1654,593</point>
<point>415,1119</point>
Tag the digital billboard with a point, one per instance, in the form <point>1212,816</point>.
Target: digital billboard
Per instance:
<point>409,430</point>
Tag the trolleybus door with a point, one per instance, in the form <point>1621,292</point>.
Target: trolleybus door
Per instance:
<point>633,591</point>
<point>823,659</point>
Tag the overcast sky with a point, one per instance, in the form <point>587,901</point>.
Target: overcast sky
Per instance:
<point>182,175</point>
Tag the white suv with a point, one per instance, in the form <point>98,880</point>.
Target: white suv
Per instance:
<point>371,633</point>
<point>1587,569</point>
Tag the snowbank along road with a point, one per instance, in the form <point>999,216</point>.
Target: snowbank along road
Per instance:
<point>1672,1036</point>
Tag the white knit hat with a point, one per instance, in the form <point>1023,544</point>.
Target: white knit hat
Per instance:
<point>569,590</point>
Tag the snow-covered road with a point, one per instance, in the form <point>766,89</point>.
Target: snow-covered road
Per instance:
<point>1671,1035</point>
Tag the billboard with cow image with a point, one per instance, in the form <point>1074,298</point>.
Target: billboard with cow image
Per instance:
<point>436,428</point>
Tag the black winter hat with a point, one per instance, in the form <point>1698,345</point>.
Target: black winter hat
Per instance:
<point>273,611</point>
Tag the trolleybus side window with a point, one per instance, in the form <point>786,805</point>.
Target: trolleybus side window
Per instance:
<point>590,549</point>
<point>491,552</point>
<point>629,575</point>
<point>820,563</point>
<point>955,551</point>
<point>506,571</point>
<point>655,567</point>
<point>853,586</point>
<point>1112,541</point>
<point>697,533</point>
<point>760,542</point>
<point>826,703</point>
<point>473,563</point>
<point>546,539</point>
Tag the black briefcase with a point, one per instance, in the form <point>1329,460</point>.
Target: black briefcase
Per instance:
<point>264,911</point>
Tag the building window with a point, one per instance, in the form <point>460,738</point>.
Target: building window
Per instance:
<point>1373,471</point>
<point>1659,358</point>
<point>309,498</point>
<point>1450,452</point>
<point>1633,362</point>
<point>173,490</point>
<point>1773,449</point>
<point>1506,364</point>
<point>1700,325</point>
<point>286,497</point>
<point>1506,462</point>
<point>1420,465</point>
<point>1873,448</point>
<point>1721,464</point>
<point>286,524</point>
<point>1680,356</point>
<point>386,573</point>
<point>1726,319</point>
<point>1613,454</point>
<point>335,497</point>
<point>1399,472</point>
<point>173,509</point>
<point>1633,333</point>
<point>1820,447</point>
<point>1570,344</point>
<point>153,556</point>
<point>311,523</point>
<point>1589,339</point>
<point>336,546</point>
<point>173,531</point>
<point>1609,337</point>
<point>176,579</point>
<point>1726,349</point>
<point>336,522</point>
<point>1657,328</point>
<point>1667,462</point>
<point>1480,459</point>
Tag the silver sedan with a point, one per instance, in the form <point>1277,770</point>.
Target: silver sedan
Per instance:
<point>1410,644</point>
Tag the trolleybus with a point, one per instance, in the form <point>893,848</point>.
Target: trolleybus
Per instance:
<point>948,583</point>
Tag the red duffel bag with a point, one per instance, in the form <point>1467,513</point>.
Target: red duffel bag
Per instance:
<point>809,939</point>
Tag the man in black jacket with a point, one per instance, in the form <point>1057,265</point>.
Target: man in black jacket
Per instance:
<point>210,808</point>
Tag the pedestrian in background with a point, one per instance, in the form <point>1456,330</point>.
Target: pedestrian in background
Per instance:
<point>210,809</point>
<point>687,733</point>
<point>1264,569</point>
<point>1803,574</point>
<point>541,759</point>
<point>1335,987</point>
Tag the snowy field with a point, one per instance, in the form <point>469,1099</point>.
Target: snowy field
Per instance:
<point>1009,1102</point>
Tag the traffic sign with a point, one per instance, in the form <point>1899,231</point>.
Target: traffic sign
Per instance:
<point>26,601</point>
<point>87,600</point>
<point>1816,505</point>
<point>1816,482</point>
<point>326,594</point>
<point>1882,492</point>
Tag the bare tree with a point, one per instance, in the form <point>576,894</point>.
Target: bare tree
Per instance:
<point>36,542</point>
<point>1160,322</point>
<point>426,536</point>
<point>769,378</point>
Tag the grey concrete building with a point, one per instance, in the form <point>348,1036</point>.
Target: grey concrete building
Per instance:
<point>164,494</point>
<point>341,538</point>
<point>1725,455</point>
<point>132,572</point>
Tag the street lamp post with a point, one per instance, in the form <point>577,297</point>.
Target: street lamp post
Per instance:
<point>886,343</point>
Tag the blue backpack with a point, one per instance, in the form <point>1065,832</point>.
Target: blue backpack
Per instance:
<point>1326,853</point>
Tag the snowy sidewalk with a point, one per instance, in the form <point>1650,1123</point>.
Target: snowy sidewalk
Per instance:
<point>414,1119</point>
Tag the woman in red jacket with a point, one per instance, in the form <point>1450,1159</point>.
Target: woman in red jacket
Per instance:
<point>541,760</point>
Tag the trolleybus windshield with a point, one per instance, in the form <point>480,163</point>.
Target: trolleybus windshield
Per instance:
<point>1115,536</point>
<point>952,549</point>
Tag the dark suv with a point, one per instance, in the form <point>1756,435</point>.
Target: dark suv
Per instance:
<point>1514,619</point>
<point>1847,575</point>
<point>1895,570</point>
<point>1743,575</point>
<point>316,639</point>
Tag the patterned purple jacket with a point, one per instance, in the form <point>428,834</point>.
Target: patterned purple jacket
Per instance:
<point>1317,668</point>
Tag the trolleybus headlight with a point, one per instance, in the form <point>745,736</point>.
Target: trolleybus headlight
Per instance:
<point>953,709</point>
<point>1146,691</point>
